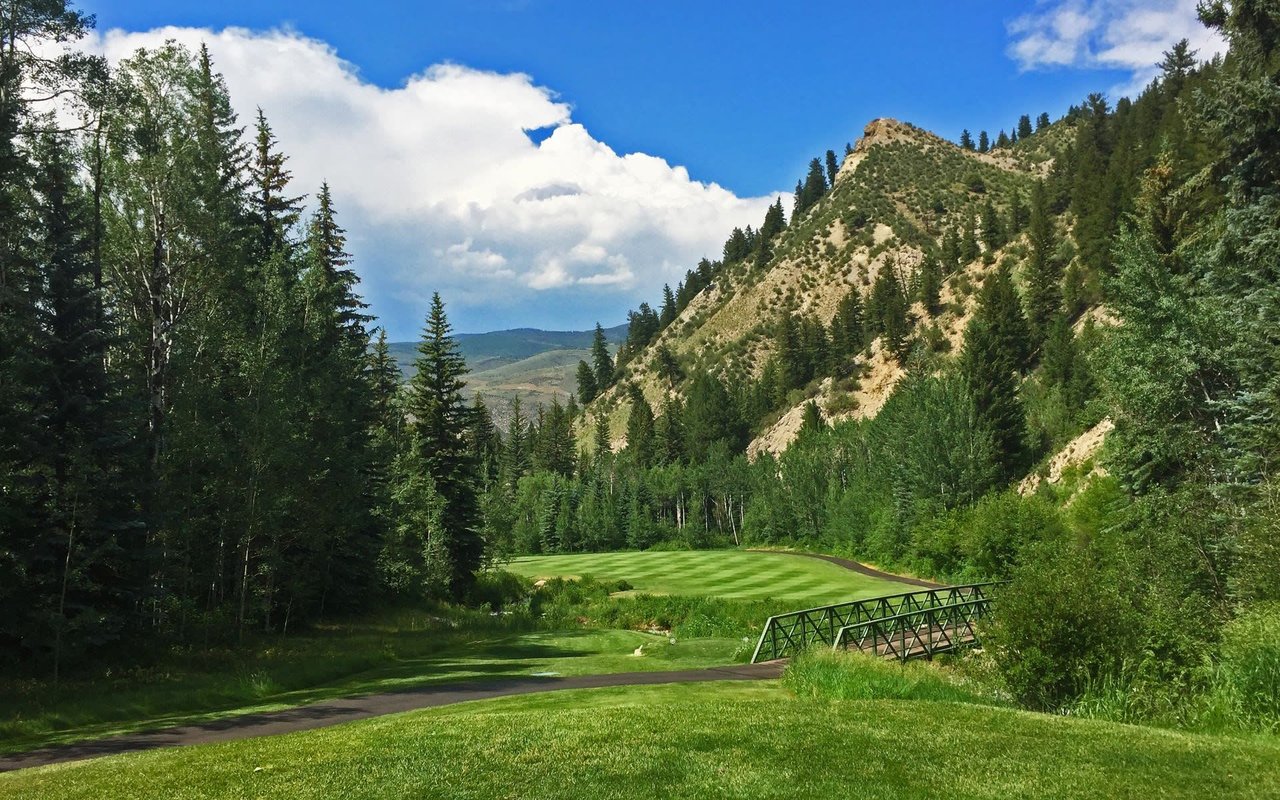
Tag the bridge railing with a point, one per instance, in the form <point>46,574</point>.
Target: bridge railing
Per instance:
<point>785,635</point>
<point>917,634</point>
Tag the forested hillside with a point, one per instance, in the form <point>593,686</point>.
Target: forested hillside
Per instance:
<point>1047,356</point>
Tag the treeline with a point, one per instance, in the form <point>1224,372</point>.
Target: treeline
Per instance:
<point>1020,132</point>
<point>196,439</point>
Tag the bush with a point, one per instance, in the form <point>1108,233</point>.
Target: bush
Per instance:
<point>498,588</point>
<point>1061,625</point>
<point>1250,667</point>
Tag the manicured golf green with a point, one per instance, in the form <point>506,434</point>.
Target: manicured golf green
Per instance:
<point>717,573</point>
<point>687,741</point>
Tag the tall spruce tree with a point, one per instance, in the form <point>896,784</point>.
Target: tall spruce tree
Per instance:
<point>601,361</point>
<point>991,362</point>
<point>640,429</point>
<point>440,417</point>
<point>1043,274</point>
<point>586,379</point>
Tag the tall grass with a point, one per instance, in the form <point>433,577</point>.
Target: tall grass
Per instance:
<point>1237,693</point>
<point>823,674</point>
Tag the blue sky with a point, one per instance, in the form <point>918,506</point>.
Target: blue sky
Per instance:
<point>741,95</point>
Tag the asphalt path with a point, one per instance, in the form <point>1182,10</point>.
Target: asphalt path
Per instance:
<point>335,712</point>
<point>349,709</point>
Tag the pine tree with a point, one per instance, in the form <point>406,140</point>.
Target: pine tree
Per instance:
<point>440,417</point>
<point>601,362</point>
<point>1024,127</point>
<point>1002,139</point>
<point>668,313</point>
<point>833,167</point>
<point>969,250</point>
<point>1043,273</point>
<point>887,310</point>
<point>275,211</point>
<point>640,431</point>
<point>711,420</point>
<point>602,446</point>
<point>76,554</point>
<point>670,435</point>
<point>1042,122</point>
<point>930,284</point>
<point>813,422</point>
<point>586,383</point>
<point>992,359</point>
<point>984,143</point>
<point>516,456</point>
<point>966,140</point>
<point>992,230</point>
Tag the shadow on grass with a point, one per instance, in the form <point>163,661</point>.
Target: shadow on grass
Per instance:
<point>86,712</point>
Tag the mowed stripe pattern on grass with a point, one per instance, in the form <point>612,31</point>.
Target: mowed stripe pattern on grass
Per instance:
<point>734,574</point>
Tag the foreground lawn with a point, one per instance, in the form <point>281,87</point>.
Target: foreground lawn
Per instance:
<point>708,740</point>
<point>734,574</point>
<point>401,659</point>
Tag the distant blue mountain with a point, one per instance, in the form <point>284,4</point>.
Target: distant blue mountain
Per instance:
<point>485,351</point>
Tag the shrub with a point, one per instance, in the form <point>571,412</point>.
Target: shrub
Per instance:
<point>1060,625</point>
<point>1251,664</point>
<point>498,588</point>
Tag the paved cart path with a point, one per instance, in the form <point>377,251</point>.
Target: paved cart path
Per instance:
<point>321,715</point>
<point>334,712</point>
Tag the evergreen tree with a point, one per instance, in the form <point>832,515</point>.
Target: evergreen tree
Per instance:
<point>668,313</point>
<point>601,362</point>
<point>516,457</point>
<point>602,448</point>
<point>670,436</point>
<point>275,211</point>
<point>586,383</point>
<point>815,186</point>
<point>832,168</point>
<point>966,140</point>
<point>969,250</point>
<point>666,365</point>
<point>1024,126</point>
<point>711,420</point>
<point>991,362</point>
<point>930,280</point>
<point>992,230</point>
<point>1043,273</point>
<point>775,222</point>
<point>1042,122</point>
<point>440,417</point>
<point>847,327</point>
<point>984,143</point>
<point>887,310</point>
<point>813,422</point>
<point>640,430</point>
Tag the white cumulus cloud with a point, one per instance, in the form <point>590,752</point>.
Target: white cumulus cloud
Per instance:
<point>441,187</point>
<point>1127,35</point>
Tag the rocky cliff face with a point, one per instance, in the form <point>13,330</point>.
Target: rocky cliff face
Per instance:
<point>893,199</point>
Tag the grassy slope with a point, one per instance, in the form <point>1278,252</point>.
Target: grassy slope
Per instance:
<point>720,573</point>
<point>708,740</point>
<point>312,667</point>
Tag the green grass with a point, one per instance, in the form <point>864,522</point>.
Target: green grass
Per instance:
<point>734,574</point>
<point>316,667</point>
<point>706,740</point>
<point>822,674</point>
